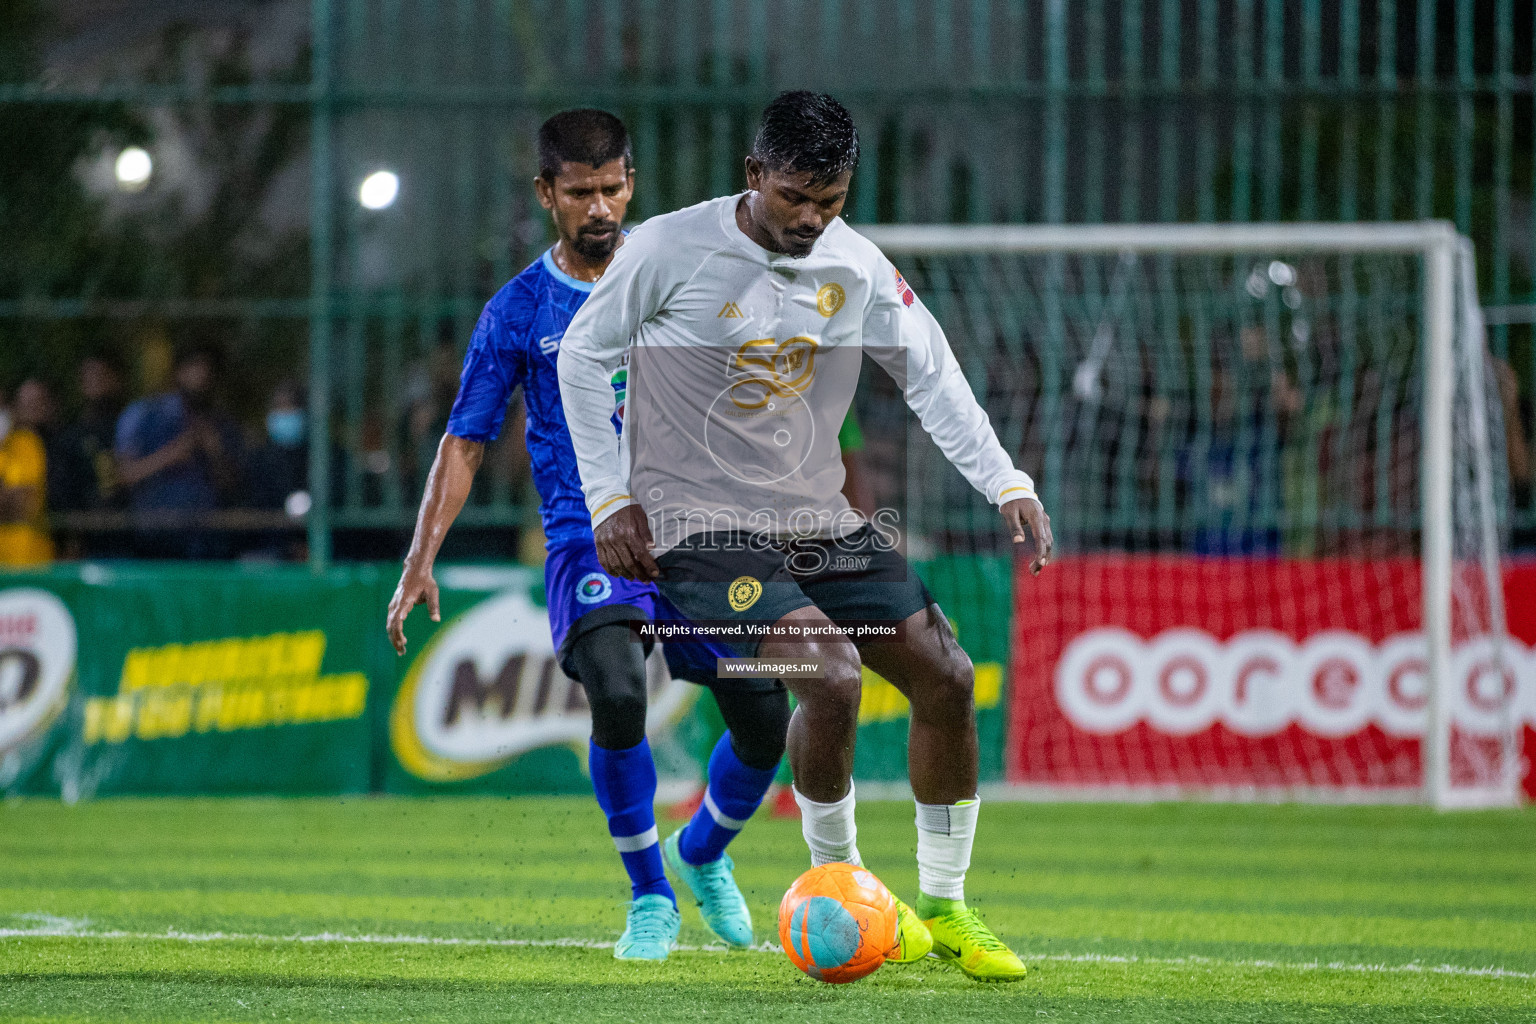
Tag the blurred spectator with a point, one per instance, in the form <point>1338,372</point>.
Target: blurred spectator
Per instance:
<point>431,385</point>
<point>1230,474</point>
<point>35,408</point>
<point>24,536</point>
<point>280,471</point>
<point>81,475</point>
<point>280,464</point>
<point>179,453</point>
<point>1515,446</point>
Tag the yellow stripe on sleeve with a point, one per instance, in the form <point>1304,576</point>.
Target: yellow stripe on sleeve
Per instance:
<point>599,510</point>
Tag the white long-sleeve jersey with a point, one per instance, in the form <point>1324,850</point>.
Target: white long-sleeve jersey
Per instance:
<point>742,365</point>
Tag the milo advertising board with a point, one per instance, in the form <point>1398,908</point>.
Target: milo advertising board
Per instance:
<point>483,707</point>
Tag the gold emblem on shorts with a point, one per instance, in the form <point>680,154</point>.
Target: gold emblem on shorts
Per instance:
<point>743,593</point>
<point>829,299</point>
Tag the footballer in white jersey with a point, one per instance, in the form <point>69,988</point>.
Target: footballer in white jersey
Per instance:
<point>748,360</point>
<point>745,320</point>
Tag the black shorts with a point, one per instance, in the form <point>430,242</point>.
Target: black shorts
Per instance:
<point>725,578</point>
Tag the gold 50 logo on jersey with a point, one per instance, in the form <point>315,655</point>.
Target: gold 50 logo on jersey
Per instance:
<point>768,368</point>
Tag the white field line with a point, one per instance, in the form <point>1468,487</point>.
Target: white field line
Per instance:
<point>1283,965</point>
<point>55,927</point>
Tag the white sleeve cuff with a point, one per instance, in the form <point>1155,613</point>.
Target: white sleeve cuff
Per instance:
<point>1015,486</point>
<point>608,507</point>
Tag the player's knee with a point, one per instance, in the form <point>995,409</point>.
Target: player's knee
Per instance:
<point>949,691</point>
<point>758,739</point>
<point>616,696</point>
<point>611,669</point>
<point>618,719</point>
<point>836,695</point>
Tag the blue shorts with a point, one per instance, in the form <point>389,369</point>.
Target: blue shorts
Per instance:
<point>582,596</point>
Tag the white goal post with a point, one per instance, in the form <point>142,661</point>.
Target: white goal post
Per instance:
<point>1131,284</point>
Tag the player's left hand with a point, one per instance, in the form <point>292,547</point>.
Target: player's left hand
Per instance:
<point>1021,512</point>
<point>416,587</point>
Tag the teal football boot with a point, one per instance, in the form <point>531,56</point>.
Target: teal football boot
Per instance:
<point>721,904</point>
<point>649,930</point>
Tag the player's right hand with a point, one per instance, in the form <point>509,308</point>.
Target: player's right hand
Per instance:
<point>624,545</point>
<point>1022,512</point>
<point>416,587</point>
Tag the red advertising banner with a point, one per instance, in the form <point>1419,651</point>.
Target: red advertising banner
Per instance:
<point>1168,671</point>
<point>1520,609</point>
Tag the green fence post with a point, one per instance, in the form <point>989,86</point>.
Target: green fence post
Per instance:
<point>321,186</point>
<point>1055,114</point>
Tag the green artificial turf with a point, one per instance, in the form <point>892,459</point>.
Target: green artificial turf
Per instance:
<point>451,910</point>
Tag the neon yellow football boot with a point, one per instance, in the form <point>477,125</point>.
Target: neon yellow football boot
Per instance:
<point>960,937</point>
<point>912,939</point>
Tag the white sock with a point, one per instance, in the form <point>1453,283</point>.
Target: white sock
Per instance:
<point>945,833</point>
<point>829,829</point>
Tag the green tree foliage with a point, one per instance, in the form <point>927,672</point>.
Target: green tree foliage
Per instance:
<point>202,239</point>
<point>53,236</point>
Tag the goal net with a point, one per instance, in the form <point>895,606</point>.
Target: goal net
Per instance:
<point>1273,456</point>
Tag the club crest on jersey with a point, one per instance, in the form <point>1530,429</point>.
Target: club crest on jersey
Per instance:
<point>830,299</point>
<point>594,587</point>
<point>908,296</point>
<point>743,593</point>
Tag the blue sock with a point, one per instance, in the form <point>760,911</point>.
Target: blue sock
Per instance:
<point>735,790</point>
<point>625,783</point>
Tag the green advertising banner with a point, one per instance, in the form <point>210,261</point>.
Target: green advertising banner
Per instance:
<point>203,679</point>
<point>193,680</point>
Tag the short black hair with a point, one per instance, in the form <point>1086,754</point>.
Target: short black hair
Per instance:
<point>585,136</point>
<point>808,132</point>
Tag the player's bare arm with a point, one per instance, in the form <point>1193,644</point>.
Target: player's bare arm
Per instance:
<point>181,448</point>
<point>453,472</point>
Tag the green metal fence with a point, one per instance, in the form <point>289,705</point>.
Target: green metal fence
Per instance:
<point>971,110</point>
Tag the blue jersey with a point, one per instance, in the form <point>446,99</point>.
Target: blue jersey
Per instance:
<point>516,343</point>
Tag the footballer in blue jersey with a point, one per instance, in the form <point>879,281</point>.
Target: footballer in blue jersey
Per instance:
<point>586,180</point>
